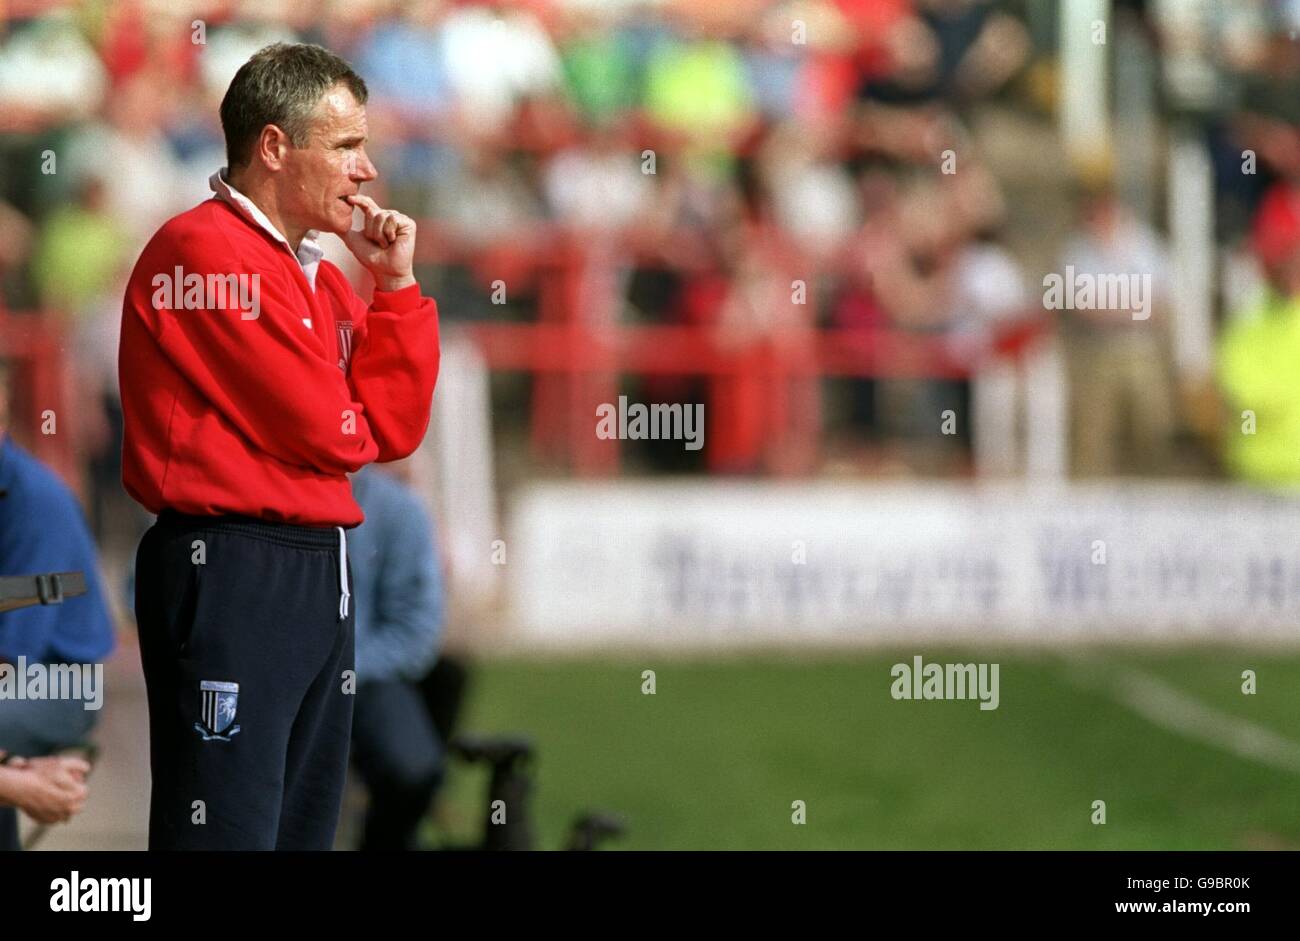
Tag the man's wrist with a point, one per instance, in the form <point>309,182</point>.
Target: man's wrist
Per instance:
<point>385,283</point>
<point>13,788</point>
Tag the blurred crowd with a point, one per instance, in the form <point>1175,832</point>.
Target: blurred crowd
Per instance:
<point>719,152</point>
<point>711,155</point>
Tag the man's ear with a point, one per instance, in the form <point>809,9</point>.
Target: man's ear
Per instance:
<point>272,144</point>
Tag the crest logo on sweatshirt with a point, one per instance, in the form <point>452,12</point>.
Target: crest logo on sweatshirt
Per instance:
<point>344,328</point>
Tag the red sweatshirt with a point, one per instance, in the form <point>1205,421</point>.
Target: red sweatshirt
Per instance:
<point>262,415</point>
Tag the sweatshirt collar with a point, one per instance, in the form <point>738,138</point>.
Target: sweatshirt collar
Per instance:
<point>309,252</point>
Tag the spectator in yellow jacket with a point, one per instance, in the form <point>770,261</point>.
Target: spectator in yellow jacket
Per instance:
<point>1259,351</point>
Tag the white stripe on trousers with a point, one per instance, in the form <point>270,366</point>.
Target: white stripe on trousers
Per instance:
<point>345,596</point>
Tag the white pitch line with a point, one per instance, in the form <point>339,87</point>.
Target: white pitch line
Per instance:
<point>1163,705</point>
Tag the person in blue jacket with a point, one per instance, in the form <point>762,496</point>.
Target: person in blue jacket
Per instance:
<point>42,530</point>
<point>399,615</point>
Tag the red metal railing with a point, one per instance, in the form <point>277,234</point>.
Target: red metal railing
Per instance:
<point>33,347</point>
<point>764,390</point>
<point>769,382</point>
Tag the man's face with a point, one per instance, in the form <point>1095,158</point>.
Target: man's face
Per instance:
<point>331,166</point>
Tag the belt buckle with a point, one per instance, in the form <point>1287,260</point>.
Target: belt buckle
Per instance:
<point>50,589</point>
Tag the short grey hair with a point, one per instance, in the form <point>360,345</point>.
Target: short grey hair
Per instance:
<point>281,85</point>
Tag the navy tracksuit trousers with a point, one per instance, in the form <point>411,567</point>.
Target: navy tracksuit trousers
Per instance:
<point>246,634</point>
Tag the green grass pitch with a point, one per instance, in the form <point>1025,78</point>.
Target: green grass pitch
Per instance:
<point>716,757</point>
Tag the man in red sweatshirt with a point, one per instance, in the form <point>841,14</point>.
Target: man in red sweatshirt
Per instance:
<point>254,380</point>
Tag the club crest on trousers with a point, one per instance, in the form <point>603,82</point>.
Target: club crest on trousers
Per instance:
<point>218,703</point>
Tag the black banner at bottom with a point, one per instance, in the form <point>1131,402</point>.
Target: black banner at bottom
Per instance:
<point>338,890</point>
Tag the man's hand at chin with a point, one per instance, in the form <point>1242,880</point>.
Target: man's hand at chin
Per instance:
<point>385,244</point>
